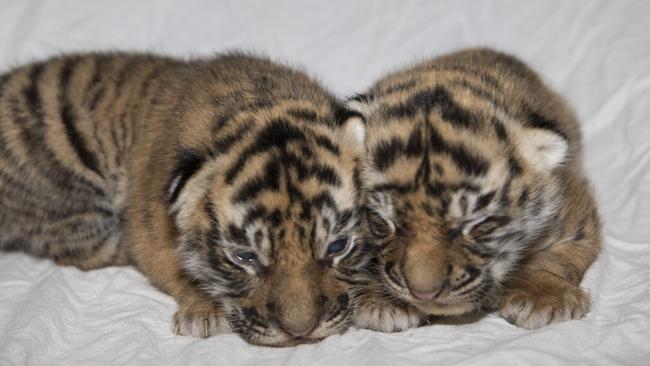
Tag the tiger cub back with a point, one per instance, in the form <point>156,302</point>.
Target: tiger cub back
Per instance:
<point>476,194</point>
<point>67,128</point>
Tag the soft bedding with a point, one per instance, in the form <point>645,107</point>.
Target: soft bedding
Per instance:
<point>596,53</point>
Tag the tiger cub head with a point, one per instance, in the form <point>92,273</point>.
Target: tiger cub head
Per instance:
<point>266,197</point>
<point>461,177</point>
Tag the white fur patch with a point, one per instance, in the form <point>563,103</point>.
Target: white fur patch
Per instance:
<point>365,108</point>
<point>544,150</point>
<point>199,325</point>
<point>388,318</point>
<point>353,133</point>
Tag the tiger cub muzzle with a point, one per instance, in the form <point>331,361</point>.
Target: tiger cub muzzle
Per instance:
<point>435,273</point>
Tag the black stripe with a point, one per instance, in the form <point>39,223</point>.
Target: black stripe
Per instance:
<point>188,163</point>
<point>480,73</point>
<point>435,189</point>
<point>76,141</point>
<point>466,161</point>
<point>254,213</point>
<point>342,114</point>
<point>324,199</point>
<point>536,120</point>
<point>386,153</point>
<point>277,134</point>
<point>483,230</point>
<point>453,113</point>
<point>481,93</point>
<point>399,87</point>
<point>500,129</point>
<point>33,133</point>
<point>303,114</point>
<point>343,219</point>
<point>484,200</point>
<point>225,142</point>
<point>514,167</point>
<point>427,100</point>
<point>237,235</point>
<point>126,69</point>
<point>32,93</point>
<point>213,235</point>
<point>270,180</point>
<point>68,118</point>
<point>523,197</point>
<point>325,142</point>
<point>395,187</point>
<point>414,145</point>
<point>325,174</point>
<point>504,199</point>
<point>102,69</point>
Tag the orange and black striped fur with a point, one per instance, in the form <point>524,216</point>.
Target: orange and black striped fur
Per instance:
<point>476,194</point>
<point>232,183</point>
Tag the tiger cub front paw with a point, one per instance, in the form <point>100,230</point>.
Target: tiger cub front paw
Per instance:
<point>542,300</point>
<point>389,317</point>
<point>200,320</point>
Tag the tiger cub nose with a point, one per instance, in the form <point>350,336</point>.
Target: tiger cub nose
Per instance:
<point>425,295</point>
<point>425,285</point>
<point>299,328</point>
<point>424,275</point>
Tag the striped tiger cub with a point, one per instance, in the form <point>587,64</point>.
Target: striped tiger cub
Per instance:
<point>232,183</point>
<point>476,195</point>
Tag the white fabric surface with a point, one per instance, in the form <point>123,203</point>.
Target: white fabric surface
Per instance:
<point>596,53</point>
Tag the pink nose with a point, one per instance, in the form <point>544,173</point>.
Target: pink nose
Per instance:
<point>426,295</point>
<point>298,329</point>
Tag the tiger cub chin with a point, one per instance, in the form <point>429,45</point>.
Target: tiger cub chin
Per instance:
<point>230,182</point>
<point>476,195</point>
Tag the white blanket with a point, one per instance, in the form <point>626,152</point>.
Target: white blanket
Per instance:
<point>596,53</point>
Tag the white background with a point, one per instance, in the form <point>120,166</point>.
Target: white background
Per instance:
<point>596,53</point>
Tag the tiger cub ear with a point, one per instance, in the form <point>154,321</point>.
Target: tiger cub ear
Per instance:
<point>352,131</point>
<point>363,104</point>
<point>188,162</point>
<point>379,215</point>
<point>543,149</point>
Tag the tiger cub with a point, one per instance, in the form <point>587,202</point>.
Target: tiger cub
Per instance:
<point>476,195</point>
<point>231,183</point>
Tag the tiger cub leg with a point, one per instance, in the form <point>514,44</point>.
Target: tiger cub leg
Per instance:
<point>197,315</point>
<point>546,289</point>
<point>199,318</point>
<point>380,312</point>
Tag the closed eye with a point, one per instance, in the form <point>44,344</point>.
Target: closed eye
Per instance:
<point>465,227</point>
<point>481,230</point>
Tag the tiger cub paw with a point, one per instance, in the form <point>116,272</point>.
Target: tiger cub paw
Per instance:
<point>199,320</point>
<point>389,317</point>
<point>535,303</point>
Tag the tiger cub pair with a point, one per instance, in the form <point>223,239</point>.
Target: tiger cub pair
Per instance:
<point>267,207</point>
